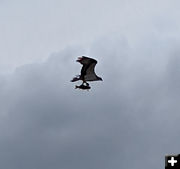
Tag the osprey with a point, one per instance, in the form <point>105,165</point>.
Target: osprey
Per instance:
<point>87,72</point>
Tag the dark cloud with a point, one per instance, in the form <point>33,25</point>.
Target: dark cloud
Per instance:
<point>130,120</point>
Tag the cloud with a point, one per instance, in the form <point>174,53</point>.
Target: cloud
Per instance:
<point>129,120</point>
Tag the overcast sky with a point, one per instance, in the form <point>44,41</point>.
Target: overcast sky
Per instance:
<point>130,120</point>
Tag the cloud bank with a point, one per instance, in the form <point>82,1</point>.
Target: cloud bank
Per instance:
<point>129,120</point>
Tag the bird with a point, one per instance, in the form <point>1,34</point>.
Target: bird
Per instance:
<point>87,72</point>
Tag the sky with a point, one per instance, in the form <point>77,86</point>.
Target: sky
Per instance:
<point>130,120</point>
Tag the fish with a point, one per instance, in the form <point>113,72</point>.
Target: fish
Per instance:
<point>83,87</point>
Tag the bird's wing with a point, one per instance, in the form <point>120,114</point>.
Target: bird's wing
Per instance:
<point>88,65</point>
<point>85,60</point>
<point>90,69</point>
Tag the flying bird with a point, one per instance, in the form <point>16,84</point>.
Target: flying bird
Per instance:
<point>87,72</point>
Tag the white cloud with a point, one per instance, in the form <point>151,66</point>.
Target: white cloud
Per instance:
<point>132,114</point>
<point>31,31</point>
<point>46,123</point>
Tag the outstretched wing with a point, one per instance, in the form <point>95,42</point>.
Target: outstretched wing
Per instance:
<point>87,71</point>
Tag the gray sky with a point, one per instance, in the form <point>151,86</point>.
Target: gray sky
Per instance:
<point>130,120</point>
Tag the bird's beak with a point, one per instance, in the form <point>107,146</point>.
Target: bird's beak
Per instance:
<point>79,59</point>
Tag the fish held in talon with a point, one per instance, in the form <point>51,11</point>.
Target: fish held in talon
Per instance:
<point>83,87</point>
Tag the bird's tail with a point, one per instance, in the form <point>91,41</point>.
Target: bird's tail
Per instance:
<point>75,78</point>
